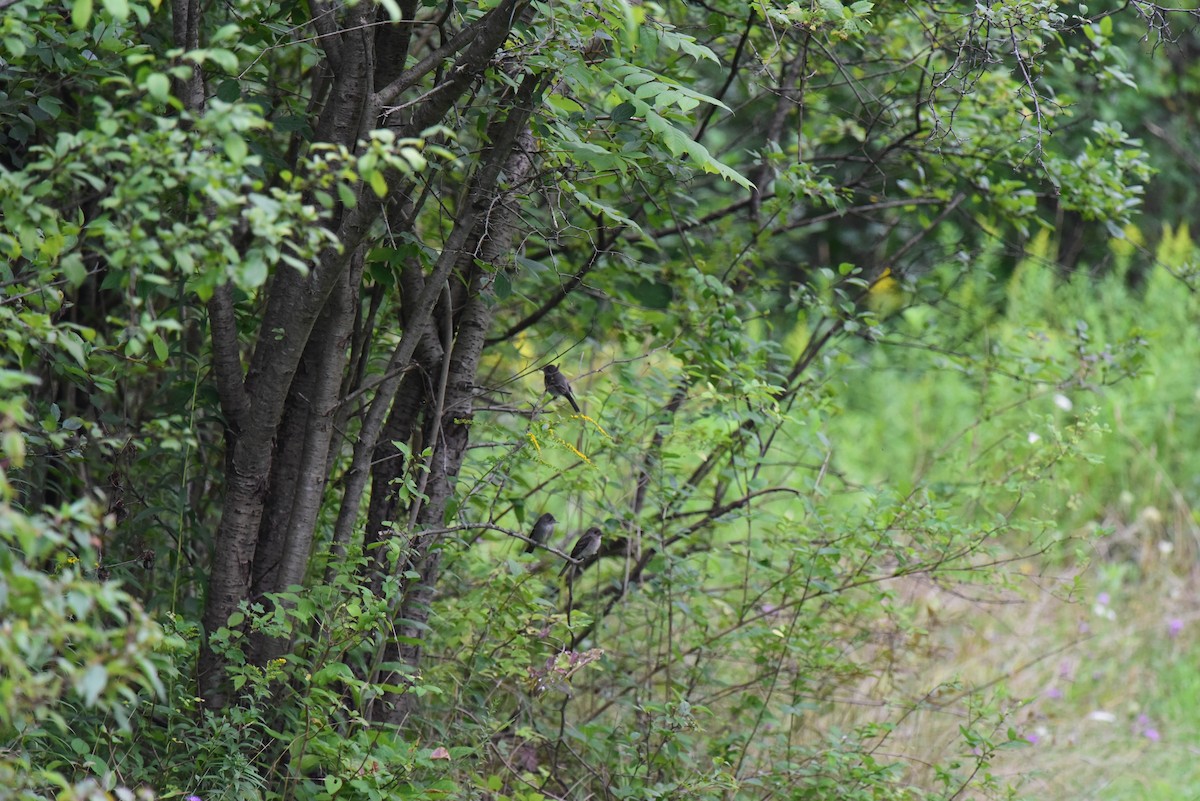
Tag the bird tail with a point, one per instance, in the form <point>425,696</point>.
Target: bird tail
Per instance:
<point>574,405</point>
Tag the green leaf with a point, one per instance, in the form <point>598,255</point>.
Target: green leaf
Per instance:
<point>653,294</point>
<point>91,684</point>
<point>81,13</point>
<point>651,89</point>
<point>607,210</point>
<point>532,265</point>
<point>226,33</point>
<point>229,91</point>
<point>15,46</point>
<point>502,286</point>
<point>563,104</point>
<point>73,345</point>
<point>378,184</point>
<point>12,444</point>
<point>50,105</point>
<point>12,380</point>
<point>415,160</point>
<point>160,348</point>
<point>235,148</point>
<point>679,142</point>
<point>381,272</point>
<point>393,9</point>
<point>225,59</point>
<point>629,25</point>
<point>73,268</point>
<point>118,8</point>
<point>159,86</point>
<point>679,42</point>
<point>253,272</point>
<point>292,122</point>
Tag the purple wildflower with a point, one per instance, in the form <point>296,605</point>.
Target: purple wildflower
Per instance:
<point>1146,730</point>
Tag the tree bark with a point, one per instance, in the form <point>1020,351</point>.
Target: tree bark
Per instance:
<point>479,196</point>
<point>301,466</point>
<point>185,23</point>
<point>451,433</point>
<point>254,406</point>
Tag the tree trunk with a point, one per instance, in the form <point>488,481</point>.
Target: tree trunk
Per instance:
<point>451,432</point>
<point>301,467</point>
<point>255,405</point>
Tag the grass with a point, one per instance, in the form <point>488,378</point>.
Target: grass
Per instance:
<point>1110,710</point>
<point>1098,672</point>
<point>1091,649</point>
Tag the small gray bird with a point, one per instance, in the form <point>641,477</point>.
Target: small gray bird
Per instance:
<point>542,530</point>
<point>557,385</point>
<point>586,547</point>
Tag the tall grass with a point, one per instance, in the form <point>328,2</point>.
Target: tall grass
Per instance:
<point>1069,406</point>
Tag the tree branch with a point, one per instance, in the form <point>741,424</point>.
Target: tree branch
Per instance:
<point>606,241</point>
<point>482,185</point>
<point>480,34</point>
<point>733,71</point>
<point>227,359</point>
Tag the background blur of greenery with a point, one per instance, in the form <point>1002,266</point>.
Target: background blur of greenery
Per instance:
<point>918,532</point>
<point>1098,648</point>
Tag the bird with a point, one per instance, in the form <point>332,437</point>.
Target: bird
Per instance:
<point>586,547</point>
<point>542,529</point>
<point>557,385</point>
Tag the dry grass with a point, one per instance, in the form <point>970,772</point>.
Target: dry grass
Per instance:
<point>1103,683</point>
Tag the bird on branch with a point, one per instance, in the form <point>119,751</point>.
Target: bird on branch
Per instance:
<point>586,548</point>
<point>558,386</point>
<point>542,530</point>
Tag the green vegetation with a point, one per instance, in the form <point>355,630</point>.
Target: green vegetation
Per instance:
<point>1094,651</point>
<point>879,322</point>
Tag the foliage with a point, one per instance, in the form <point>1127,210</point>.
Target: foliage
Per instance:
<point>72,647</point>
<point>275,277</point>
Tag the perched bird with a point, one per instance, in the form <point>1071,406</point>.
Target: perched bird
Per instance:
<point>587,546</point>
<point>557,386</point>
<point>542,529</point>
